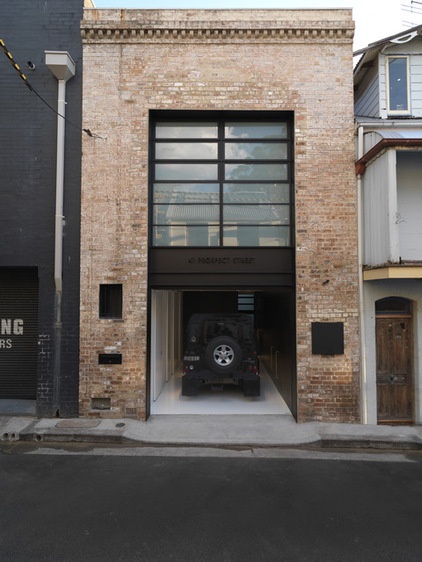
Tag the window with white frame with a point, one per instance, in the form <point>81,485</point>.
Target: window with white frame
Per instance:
<point>398,100</point>
<point>220,180</point>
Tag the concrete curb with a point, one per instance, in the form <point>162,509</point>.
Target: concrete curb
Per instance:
<point>224,432</point>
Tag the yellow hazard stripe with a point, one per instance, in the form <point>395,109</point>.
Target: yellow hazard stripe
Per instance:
<point>14,64</point>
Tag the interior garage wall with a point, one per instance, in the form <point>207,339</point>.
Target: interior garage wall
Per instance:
<point>138,61</point>
<point>275,323</point>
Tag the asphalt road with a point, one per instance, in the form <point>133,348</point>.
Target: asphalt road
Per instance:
<point>124,506</point>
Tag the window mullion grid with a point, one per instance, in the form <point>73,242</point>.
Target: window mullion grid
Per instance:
<point>176,180</point>
<point>286,161</point>
<point>221,178</point>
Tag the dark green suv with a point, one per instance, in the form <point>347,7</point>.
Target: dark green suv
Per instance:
<point>220,349</point>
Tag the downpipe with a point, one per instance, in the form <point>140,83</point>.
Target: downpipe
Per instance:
<point>363,377</point>
<point>58,245</point>
<point>62,66</point>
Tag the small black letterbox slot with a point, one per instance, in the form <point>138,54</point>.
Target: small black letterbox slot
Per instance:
<point>110,359</point>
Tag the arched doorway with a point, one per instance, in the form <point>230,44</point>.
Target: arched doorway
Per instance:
<point>394,361</point>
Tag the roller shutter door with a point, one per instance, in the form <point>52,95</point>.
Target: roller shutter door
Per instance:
<point>18,332</point>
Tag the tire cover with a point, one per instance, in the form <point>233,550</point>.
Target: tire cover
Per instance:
<point>223,355</point>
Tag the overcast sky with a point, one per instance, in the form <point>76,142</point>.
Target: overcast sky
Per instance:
<point>375,19</point>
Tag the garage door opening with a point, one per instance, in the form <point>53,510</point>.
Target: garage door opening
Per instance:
<point>272,312</point>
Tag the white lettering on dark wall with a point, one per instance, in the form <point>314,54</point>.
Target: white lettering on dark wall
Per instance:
<point>10,326</point>
<point>222,260</point>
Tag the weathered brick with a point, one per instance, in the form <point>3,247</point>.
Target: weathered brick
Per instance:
<point>300,61</point>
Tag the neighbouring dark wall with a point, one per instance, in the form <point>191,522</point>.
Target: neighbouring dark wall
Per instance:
<point>28,178</point>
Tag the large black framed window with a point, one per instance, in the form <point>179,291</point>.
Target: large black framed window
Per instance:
<point>220,179</point>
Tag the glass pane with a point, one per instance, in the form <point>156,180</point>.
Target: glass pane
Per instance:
<point>256,214</point>
<point>392,305</point>
<point>186,172</point>
<point>256,193</point>
<point>256,236</point>
<point>111,301</point>
<point>185,236</point>
<point>185,214</point>
<point>397,75</point>
<point>186,193</point>
<point>256,151</point>
<point>255,130</point>
<point>186,130</point>
<point>186,151</point>
<point>256,172</point>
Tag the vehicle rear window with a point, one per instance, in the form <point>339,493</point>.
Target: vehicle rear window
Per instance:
<point>214,329</point>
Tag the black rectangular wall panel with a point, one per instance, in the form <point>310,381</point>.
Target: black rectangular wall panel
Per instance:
<point>327,338</point>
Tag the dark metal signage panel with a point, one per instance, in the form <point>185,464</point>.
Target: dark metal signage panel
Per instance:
<point>327,338</point>
<point>221,267</point>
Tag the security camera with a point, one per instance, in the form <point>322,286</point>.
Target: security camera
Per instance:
<point>31,65</point>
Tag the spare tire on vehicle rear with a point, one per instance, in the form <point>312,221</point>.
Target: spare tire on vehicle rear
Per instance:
<point>223,355</point>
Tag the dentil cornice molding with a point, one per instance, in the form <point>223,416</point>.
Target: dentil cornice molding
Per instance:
<point>132,26</point>
<point>129,34</point>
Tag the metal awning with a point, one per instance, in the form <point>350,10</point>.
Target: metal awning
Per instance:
<point>399,133</point>
<point>389,137</point>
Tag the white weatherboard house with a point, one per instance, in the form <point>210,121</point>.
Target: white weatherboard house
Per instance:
<point>388,111</point>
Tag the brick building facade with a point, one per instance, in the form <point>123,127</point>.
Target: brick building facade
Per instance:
<point>142,68</point>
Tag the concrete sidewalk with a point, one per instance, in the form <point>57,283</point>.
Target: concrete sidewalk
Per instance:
<point>231,431</point>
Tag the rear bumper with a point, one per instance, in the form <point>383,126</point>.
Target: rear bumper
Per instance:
<point>192,381</point>
<point>207,376</point>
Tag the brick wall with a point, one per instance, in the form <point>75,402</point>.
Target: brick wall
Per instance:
<point>137,61</point>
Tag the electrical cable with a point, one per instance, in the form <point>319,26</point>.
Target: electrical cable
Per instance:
<point>32,89</point>
<point>417,10</point>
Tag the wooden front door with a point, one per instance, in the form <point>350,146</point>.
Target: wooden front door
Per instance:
<point>394,369</point>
